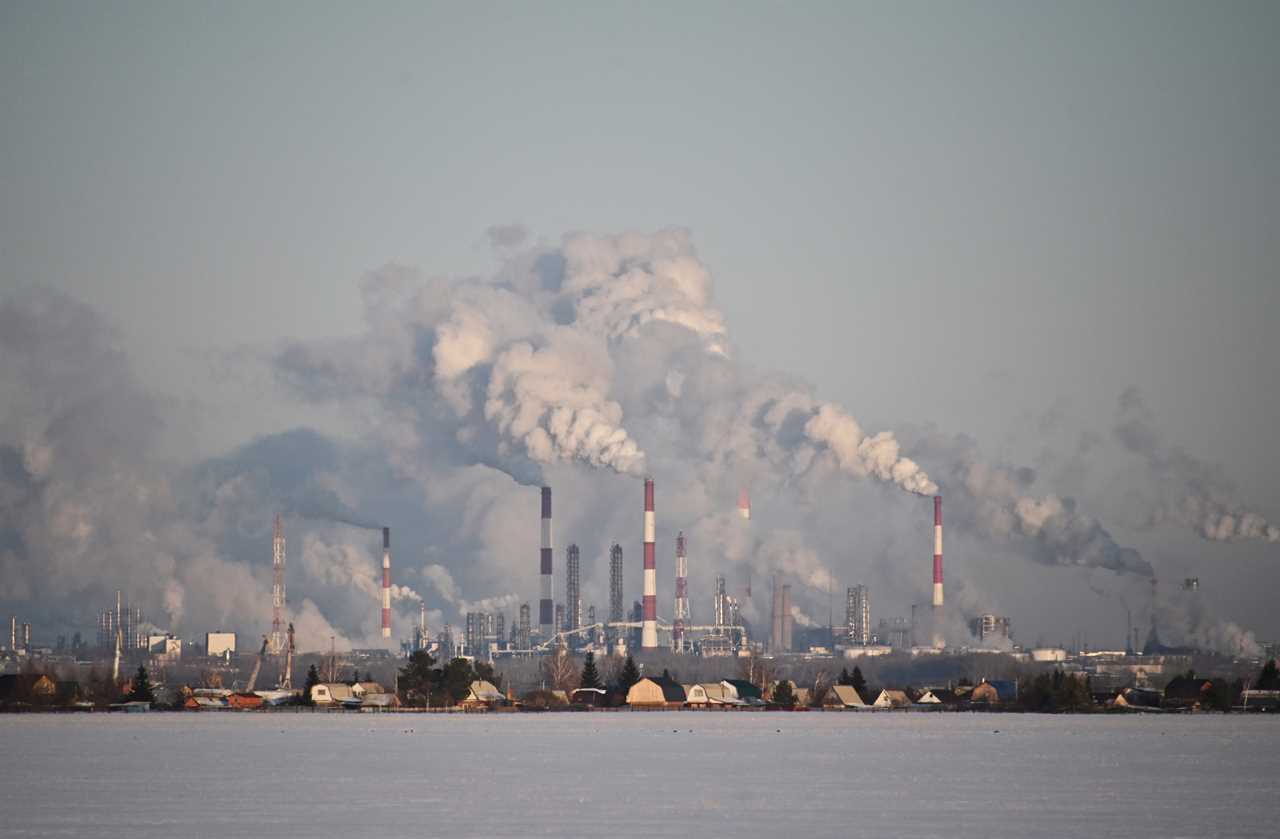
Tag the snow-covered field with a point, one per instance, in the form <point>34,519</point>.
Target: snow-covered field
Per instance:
<point>797,776</point>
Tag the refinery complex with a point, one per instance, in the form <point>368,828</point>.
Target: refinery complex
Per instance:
<point>729,641</point>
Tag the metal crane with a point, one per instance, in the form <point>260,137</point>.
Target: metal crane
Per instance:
<point>286,677</point>
<point>257,665</point>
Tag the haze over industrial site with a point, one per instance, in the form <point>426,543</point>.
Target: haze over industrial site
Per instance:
<point>398,392</point>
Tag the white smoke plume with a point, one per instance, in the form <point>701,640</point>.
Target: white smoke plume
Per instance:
<point>347,565</point>
<point>1205,504</point>
<point>582,365</point>
<point>1000,503</point>
<point>526,366</point>
<point>443,581</point>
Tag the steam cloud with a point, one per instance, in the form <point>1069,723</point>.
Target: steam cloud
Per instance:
<point>1204,505</point>
<point>585,364</point>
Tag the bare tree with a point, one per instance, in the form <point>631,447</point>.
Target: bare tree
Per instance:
<point>821,684</point>
<point>756,671</point>
<point>560,671</point>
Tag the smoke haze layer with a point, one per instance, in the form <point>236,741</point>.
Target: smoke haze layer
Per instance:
<point>584,366</point>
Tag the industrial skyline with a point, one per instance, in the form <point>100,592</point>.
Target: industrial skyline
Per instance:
<point>831,362</point>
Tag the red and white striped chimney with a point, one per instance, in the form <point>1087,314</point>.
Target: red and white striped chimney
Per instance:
<point>937,551</point>
<point>386,582</point>
<point>744,504</point>
<point>546,610</point>
<point>649,628</point>
<point>681,615</point>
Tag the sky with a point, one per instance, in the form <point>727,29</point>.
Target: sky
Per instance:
<point>989,219</point>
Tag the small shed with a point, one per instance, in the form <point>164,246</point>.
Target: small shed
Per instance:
<point>891,699</point>
<point>483,694</point>
<point>696,695</point>
<point>842,696</point>
<point>719,694</point>
<point>244,701</point>
<point>590,697</point>
<point>656,692</point>
<point>330,693</point>
<point>1137,699</point>
<point>744,691</point>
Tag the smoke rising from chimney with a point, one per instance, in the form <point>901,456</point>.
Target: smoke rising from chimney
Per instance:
<point>584,365</point>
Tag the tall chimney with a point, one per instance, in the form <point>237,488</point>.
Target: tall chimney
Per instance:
<point>787,620</point>
<point>937,551</point>
<point>681,615</point>
<point>649,625</point>
<point>744,504</point>
<point>546,608</point>
<point>938,640</point>
<point>386,582</point>
<point>775,628</point>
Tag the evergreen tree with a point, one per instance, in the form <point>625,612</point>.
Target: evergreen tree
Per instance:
<point>590,678</point>
<point>417,679</point>
<point>1224,695</point>
<point>858,683</point>
<point>1269,679</point>
<point>142,691</point>
<point>783,694</point>
<point>630,674</point>
<point>455,681</point>
<point>845,679</point>
<point>313,679</point>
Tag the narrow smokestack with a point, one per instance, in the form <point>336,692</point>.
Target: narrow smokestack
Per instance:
<point>649,626</point>
<point>386,582</point>
<point>546,608</point>
<point>937,551</point>
<point>744,504</point>
<point>938,640</point>
<point>788,622</point>
<point>681,616</point>
<point>775,617</point>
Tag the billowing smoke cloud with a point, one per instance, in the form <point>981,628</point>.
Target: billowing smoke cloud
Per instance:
<point>85,507</point>
<point>1000,503</point>
<point>1205,504</point>
<point>583,365</point>
<point>525,372</point>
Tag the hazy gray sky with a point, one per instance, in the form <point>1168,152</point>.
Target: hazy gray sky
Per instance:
<point>988,217</point>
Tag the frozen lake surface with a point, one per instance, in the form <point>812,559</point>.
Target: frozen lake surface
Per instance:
<point>638,774</point>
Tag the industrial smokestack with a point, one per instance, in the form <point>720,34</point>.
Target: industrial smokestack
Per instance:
<point>937,551</point>
<point>681,616</point>
<point>938,640</point>
<point>775,616</point>
<point>546,608</point>
<point>386,582</point>
<point>744,504</point>
<point>787,620</point>
<point>649,627</point>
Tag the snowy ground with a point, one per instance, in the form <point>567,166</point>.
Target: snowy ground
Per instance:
<point>638,774</point>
